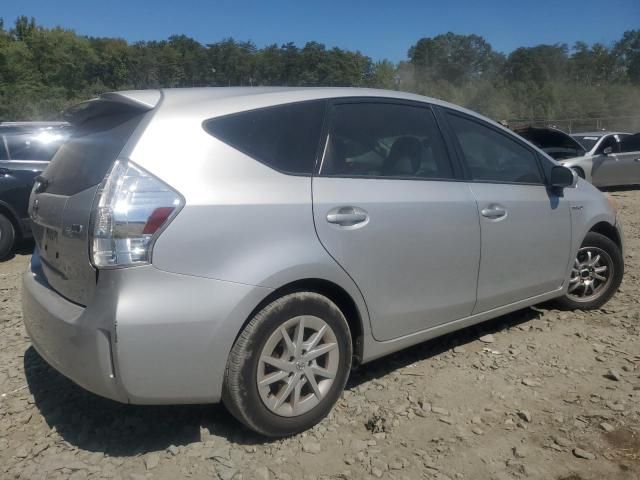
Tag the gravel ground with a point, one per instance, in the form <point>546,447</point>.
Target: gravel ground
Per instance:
<point>540,394</point>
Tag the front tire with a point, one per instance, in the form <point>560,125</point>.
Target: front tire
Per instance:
<point>596,274</point>
<point>7,236</point>
<point>289,365</point>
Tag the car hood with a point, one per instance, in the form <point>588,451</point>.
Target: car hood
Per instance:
<point>553,142</point>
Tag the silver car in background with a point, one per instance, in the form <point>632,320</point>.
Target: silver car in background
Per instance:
<point>605,159</point>
<point>611,158</point>
<point>249,245</point>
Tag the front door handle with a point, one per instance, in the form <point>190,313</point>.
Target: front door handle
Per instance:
<point>494,212</point>
<point>636,160</point>
<point>5,171</point>
<point>347,216</point>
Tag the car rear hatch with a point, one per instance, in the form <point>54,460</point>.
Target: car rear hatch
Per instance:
<point>556,143</point>
<point>63,196</point>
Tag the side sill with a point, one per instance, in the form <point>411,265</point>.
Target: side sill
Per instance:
<point>374,349</point>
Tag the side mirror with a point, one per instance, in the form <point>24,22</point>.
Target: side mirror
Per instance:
<point>563,177</point>
<point>608,150</point>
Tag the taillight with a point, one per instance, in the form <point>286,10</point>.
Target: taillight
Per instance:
<point>131,209</point>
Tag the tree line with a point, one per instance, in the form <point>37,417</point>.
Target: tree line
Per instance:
<point>44,70</point>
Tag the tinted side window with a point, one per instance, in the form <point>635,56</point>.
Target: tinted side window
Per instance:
<point>34,145</point>
<point>284,137</point>
<point>630,143</point>
<point>609,141</point>
<point>385,140</point>
<point>492,156</point>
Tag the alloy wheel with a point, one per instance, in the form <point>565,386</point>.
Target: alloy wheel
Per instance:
<point>297,366</point>
<point>590,275</point>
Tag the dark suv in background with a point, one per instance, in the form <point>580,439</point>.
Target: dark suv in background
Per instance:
<point>25,151</point>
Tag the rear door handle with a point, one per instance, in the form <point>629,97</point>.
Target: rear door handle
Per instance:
<point>494,212</point>
<point>5,171</point>
<point>636,160</point>
<point>347,216</point>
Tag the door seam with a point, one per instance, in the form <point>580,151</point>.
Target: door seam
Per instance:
<point>315,228</point>
<point>475,199</point>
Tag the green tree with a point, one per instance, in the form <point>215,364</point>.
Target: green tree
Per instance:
<point>591,65</point>
<point>44,70</point>
<point>541,64</point>
<point>627,51</point>
<point>455,58</point>
<point>24,27</point>
<point>383,75</point>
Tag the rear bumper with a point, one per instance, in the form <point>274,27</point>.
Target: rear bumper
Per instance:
<point>68,337</point>
<point>147,336</point>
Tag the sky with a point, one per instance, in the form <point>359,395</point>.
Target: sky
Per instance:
<point>379,29</point>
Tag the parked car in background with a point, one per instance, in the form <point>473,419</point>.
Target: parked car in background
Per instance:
<point>555,143</point>
<point>595,142</point>
<point>603,158</point>
<point>25,150</point>
<point>250,245</point>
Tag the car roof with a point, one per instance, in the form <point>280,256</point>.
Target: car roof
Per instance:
<point>600,133</point>
<point>223,100</point>
<point>308,93</point>
<point>22,128</point>
<point>32,124</point>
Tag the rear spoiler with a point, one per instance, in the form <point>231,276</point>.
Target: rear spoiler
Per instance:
<point>111,103</point>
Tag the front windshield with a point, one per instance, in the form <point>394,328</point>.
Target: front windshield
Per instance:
<point>587,141</point>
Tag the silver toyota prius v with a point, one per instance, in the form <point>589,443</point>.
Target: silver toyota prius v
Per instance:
<point>249,245</point>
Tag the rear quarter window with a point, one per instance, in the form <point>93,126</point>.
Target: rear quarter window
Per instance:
<point>283,137</point>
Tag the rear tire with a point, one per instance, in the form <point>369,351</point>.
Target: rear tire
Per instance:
<point>7,236</point>
<point>596,274</point>
<point>250,392</point>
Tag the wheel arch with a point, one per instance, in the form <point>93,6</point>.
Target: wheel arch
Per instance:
<point>609,231</point>
<point>333,292</point>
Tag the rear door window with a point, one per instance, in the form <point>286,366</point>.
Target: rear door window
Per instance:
<point>385,140</point>
<point>33,146</point>
<point>630,143</point>
<point>492,156</point>
<point>284,137</point>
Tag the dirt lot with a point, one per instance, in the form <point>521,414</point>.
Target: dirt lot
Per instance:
<point>540,394</point>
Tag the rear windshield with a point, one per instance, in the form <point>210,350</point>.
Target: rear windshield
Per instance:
<point>284,137</point>
<point>84,160</point>
<point>587,141</point>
